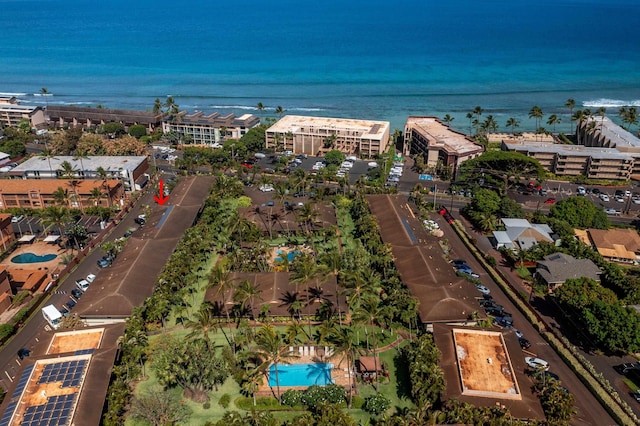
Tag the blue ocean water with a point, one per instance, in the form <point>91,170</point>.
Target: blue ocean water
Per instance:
<point>375,59</point>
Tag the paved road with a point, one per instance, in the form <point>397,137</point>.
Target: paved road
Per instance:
<point>34,329</point>
<point>590,412</point>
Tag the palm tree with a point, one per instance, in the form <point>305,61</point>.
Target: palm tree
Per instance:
<point>513,123</point>
<point>571,104</point>
<point>293,303</point>
<point>260,107</point>
<point>247,292</point>
<point>293,332</point>
<point>601,112</point>
<point>536,112</point>
<point>448,119</point>
<point>470,118</point>
<point>80,155</point>
<point>553,120</point>
<point>157,106</point>
<point>45,93</point>
<point>95,195</point>
<point>171,106</point>
<point>372,313</point>
<point>490,124</point>
<point>344,347</point>
<point>61,196</point>
<point>251,383</point>
<point>203,323</point>
<point>55,216</point>
<point>48,155</point>
<point>271,350</point>
<point>280,111</point>
<point>220,278</point>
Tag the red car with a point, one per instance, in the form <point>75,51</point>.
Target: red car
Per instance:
<point>550,201</point>
<point>247,165</point>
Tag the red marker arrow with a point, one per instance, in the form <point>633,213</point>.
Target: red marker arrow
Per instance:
<point>161,199</point>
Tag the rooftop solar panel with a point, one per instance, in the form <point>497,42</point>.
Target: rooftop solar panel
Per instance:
<point>22,382</point>
<point>6,417</point>
<point>42,415</point>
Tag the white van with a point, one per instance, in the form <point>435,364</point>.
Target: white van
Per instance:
<point>52,315</point>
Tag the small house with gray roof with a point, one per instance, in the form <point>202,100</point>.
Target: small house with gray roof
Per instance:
<point>519,234</point>
<point>556,268</point>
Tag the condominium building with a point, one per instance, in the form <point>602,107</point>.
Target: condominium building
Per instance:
<point>601,132</point>
<point>39,194</point>
<point>575,160</point>
<point>318,135</point>
<point>132,170</point>
<point>209,129</point>
<point>61,116</point>
<point>429,137</point>
<point>12,113</point>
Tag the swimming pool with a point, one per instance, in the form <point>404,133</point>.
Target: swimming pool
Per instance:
<point>32,258</point>
<point>301,374</point>
<point>290,256</point>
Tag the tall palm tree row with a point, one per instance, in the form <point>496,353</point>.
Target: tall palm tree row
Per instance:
<point>271,350</point>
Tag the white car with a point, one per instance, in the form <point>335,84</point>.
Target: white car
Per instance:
<point>581,190</point>
<point>604,197</point>
<point>266,188</point>
<point>536,363</point>
<point>482,289</point>
<point>612,212</point>
<point>636,200</point>
<point>17,219</point>
<point>91,278</point>
<point>82,284</point>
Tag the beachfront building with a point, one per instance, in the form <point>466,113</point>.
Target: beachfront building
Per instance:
<point>614,245</point>
<point>62,116</point>
<point>575,160</point>
<point>318,135</point>
<point>131,170</point>
<point>437,143</point>
<point>39,194</point>
<point>200,129</point>
<point>11,113</point>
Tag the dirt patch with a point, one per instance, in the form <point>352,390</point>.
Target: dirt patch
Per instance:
<point>484,365</point>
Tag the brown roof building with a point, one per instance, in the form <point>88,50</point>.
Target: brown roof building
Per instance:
<point>39,194</point>
<point>277,293</point>
<point>61,116</point>
<point>443,296</point>
<point>615,245</point>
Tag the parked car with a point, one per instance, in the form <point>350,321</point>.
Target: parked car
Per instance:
<point>471,274</point>
<point>581,191</point>
<point>90,278</point>
<point>626,367</point>
<point>595,191</point>
<point>140,221</point>
<point>76,294</point>
<point>266,188</point>
<point>636,395</point>
<point>103,263</point>
<point>619,199</point>
<point>83,284</point>
<point>550,201</point>
<point>23,353</point>
<point>459,262</point>
<point>611,211</point>
<point>524,343</point>
<point>496,310</point>
<point>482,289</point>
<point>70,304</point>
<point>64,311</point>
<point>604,197</point>
<point>17,219</point>
<point>536,363</point>
<point>503,321</point>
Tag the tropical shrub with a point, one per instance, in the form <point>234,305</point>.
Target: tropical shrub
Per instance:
<point>376,404</point>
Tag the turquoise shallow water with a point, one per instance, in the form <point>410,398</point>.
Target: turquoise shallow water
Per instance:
<point>32,258</point>
<point>301,374</point>
<point>375,59</point>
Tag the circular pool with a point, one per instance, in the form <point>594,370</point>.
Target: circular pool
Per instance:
<point>32,258</point>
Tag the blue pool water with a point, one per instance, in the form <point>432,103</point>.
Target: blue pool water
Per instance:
<point>290,256</point>
<point>301,374</point>
<point>32,258</point>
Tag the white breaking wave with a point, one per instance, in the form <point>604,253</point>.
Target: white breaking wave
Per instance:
<point>610,103</point>
<point>307,109</point>
<point>43,94</point>
<point>234,107</point>
<point>12,94</point>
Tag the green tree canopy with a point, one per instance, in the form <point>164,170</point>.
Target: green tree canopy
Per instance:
<point>137,130</point>
<point>498,168</point>
<point>334,157</point>
<point>580,212</point>
<point>581,292</point>
<point>254,139</point>
<point>14,147</point>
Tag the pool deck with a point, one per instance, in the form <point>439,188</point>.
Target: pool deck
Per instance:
<point>39,249</point>
<point>339,373</point>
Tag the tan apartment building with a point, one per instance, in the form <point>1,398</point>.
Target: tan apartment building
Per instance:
<point>39,194</point>
<point>62,116</point>
<point>209,129</point>
<point>318,135</point>
<point>429,137</point>
<point>11,113</point>
<point>601,132</point>
<point>575,160</point>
